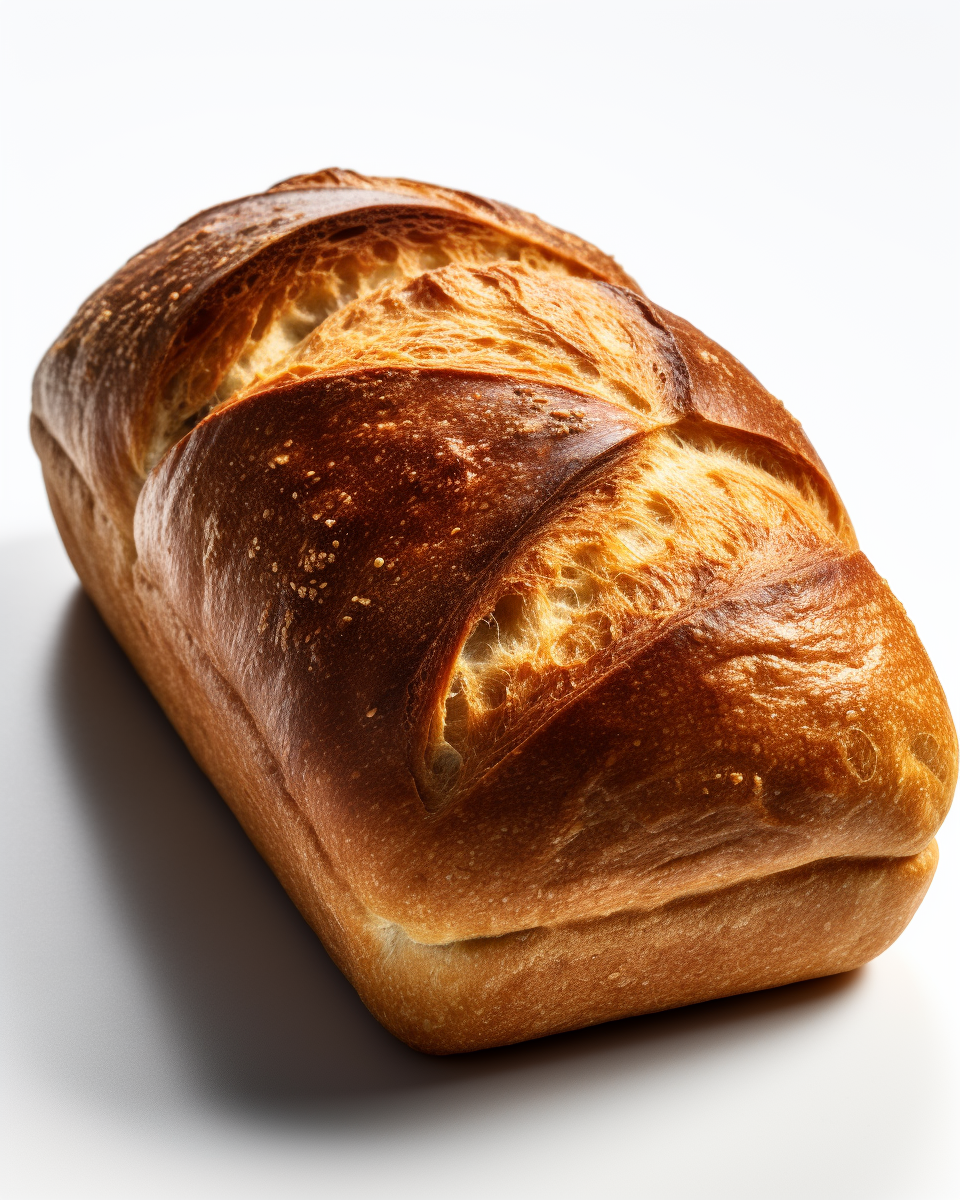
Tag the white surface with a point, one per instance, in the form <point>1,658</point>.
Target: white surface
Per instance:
<point>173,1029</point>
<point>784,175</point>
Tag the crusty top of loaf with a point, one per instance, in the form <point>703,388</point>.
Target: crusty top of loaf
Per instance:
<point>544,605</point>
<point>188,320</point>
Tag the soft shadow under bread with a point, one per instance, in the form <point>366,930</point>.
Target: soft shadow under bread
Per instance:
<point>267,1019</point>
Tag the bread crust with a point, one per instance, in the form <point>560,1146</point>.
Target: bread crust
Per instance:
<point>714,766</point>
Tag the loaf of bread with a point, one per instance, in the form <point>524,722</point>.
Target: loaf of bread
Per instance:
<point>523,631</point>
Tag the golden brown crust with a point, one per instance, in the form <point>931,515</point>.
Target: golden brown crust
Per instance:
<point>521,627</point>
<point>502,216</point>
<point>190,301</point>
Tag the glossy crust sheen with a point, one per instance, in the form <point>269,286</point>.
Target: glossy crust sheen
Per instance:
<point>522,629</point>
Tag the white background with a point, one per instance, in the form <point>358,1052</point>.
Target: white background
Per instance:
<point>782,174</point>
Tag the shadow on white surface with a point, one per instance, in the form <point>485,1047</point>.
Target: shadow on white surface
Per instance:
<point>179,1025</point>
<point>262,1012</point>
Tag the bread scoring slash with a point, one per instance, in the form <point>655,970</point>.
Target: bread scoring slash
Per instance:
<point>522,629</point>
